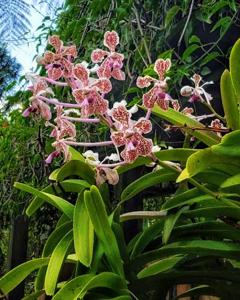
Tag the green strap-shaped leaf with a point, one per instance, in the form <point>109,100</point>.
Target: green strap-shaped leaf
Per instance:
<point>231,184</point>
<point>215,211</point>
<point>34,296</point>
<point>104,280</point>
<point>99,218</point>
<point>169,224</point>
<point>171,13</point>
<point>80,285</point>
<point>75,155</point>
<point>148,235</point>
<point>61,204</point>
<point>196,247</point>
<point>147,181</point>
<point>49,246</point>
<point>83,232</point>
<point>160,266</point>
<point>183,198</point>
<point>12,279</point>
<point>229,101</point>
<point>229,145</point>
<point>76,168</point>
<point>56,261</point>
<point>37,202</point>
<point>71,289</point>
<point>74,185</point>
<point>234,62</point>
<point>205,160</point>
<point>63,219</point>
<point>208,229</point>
<point>179,119</point>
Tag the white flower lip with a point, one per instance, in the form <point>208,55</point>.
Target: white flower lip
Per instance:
<point>156,148</point>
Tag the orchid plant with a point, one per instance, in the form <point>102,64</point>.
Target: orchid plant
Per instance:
<point>191,240</point>
<point>88,104</point>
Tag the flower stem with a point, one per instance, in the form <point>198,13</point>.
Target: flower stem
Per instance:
<point>56,102</point>
<point>148,114</point>
<point>59,83</point>
<point>84,120</point>
<point>201,187</point>
<point>121,163</point>
<point>94,144</point>
<point>213,111</point>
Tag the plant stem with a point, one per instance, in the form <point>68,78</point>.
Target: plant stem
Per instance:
<point>201,187</point>
<point>142,35</point>
<point>213,111</point>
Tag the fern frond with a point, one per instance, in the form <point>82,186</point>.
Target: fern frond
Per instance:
<point>14,19</point>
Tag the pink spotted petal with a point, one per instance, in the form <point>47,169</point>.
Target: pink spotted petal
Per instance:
<point>176,105</point>
<point>118,74</point>
<point>98,55</point>
<point>100,105</point>
<point>163,103</point>
<point>45,111</point>
<point>118,138</point>
<point>54,132</point>
<point>143,126</point>
<point>62,148</point>
<point>104,85</point>
<point>143,82</point>
<point>39,86</point>
<point>67,68</point>
<point>26,113</point>
<point>111,40</point>
<point>129,155</point>
<point>81,73</point>
<point>216,123</point>
<point>149,98</point>
<point>187,111</point>
<point>51,156</point>
<point>55,73</point>
<point>48,57</point>
<point>104,70</point>
<point>196,79</point>
<point>55,41</point>
<point>162,66</point>
<point>70,51</point>
<point>144,146</point>
<point>121,114</point>
<point>67,128</point>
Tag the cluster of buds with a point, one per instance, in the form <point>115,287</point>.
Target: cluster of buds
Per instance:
<point>88,104</point>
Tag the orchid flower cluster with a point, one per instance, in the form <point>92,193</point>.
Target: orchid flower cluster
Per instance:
<point>88,104</point>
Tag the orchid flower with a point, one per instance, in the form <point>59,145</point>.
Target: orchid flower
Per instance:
<point>64,127</point>
<point>61,147</point>
<point>129,134</point>
<point>89,92</point>
<point>58,64</point>
<point>195,93</point>
<point>111,61</point>
<point>157,94</point>
<point>39,87</point>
